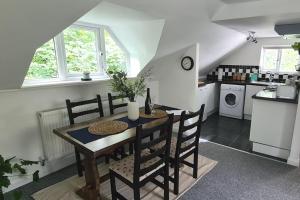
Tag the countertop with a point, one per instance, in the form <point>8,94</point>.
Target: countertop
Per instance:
<point>259,83</point>
<point>271,96</point>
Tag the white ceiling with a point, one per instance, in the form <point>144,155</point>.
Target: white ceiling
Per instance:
<point>237,1</point>
<point>259,16</point>
<point>186,23</point>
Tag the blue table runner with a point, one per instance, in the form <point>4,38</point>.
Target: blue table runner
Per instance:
<point>83,135</point>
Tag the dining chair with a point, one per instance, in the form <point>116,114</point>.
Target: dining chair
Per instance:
<point>185,144</point>
<point>73,115</point>
<point>112,107</point>
<point>145,166</point>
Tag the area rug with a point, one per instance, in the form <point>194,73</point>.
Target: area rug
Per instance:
<point>65,190</point>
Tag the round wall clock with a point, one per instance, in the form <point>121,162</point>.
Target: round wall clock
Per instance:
<point>187,63</point>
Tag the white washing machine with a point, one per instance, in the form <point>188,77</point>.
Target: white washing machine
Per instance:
<point>232,101</point>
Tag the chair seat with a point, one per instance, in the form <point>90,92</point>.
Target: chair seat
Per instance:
<point>172,148</point>
<point>125,167</point>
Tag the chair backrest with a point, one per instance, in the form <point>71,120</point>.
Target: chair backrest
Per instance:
<point>153,158</point>
<point>73,115</point>
<point>113,106</point>
<point>186,143</point>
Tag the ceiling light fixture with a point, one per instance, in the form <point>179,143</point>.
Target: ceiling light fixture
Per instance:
<point>251,37</point>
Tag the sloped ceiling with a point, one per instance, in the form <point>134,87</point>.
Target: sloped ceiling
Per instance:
<point>259,16</point>
<point>186,23</point>
<point>26,25</point>
<point>137,31</point>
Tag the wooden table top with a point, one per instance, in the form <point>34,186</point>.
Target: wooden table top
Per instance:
<point>102,145</point>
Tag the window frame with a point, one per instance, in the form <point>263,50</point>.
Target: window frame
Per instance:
<point>61,60</point>
<point>278,62</point>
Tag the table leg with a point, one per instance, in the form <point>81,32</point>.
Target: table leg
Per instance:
<point>91,190</point>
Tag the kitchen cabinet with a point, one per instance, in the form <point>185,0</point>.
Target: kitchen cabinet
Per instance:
<point>250,91</point>
<point>272,127</point>
<point>209,95</point>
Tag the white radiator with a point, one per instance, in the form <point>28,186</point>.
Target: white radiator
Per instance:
<point>55,147</point>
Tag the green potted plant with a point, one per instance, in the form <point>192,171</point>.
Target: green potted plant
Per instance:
<point>296,47</point>
<point>8,169</point>
<point>128,88</point>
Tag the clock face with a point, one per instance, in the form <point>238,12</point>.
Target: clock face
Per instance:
<point>187,63</point>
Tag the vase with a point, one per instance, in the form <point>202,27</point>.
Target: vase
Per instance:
<point>133,111</point>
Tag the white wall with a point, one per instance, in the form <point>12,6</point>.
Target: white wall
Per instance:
<point>25,26</point>
<point>19,129</point>
<point>178,87</point>
<point>249,54</point>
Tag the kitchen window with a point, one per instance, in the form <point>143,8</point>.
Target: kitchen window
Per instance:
<point>79,48</point>
<point>279,60</point>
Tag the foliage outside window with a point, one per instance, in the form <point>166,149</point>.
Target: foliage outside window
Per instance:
<point>279,59</point>
<point>81,51</point>
<point>43,64</point>
<point>79,48</point>
<point>116,59</point>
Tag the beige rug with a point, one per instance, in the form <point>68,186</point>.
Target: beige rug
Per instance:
<point>65,190</point>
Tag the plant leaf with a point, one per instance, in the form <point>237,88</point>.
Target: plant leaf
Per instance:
<point>19,168</point>
<point>4,181</point>
<point>18,195</point>
<point>28,162</point>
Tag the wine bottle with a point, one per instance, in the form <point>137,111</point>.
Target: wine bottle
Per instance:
<point>147,103</point>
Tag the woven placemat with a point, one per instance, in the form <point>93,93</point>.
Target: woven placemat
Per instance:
<point>156,114</point>
<point>108,127</point>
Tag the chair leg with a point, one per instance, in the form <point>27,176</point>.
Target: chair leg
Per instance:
<point>78,163</point>
<point>166,183</point>
<point>136,191</point>
<point>131,147</point>
<point>107,159</point>
<point>195,168</point>
<point>113,186</point>
<point>176,178</point>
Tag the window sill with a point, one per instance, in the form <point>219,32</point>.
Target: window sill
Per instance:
<point>63,83</point>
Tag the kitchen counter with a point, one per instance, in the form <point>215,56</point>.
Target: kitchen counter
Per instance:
<point>271,96</point>
<point>259,83</point>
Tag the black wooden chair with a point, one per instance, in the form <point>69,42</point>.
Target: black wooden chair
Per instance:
<point>73,115</point>
<point>184,145</point>
<point>145,165</point>
<point>112,107</point>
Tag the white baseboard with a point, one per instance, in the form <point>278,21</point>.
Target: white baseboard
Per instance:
<point>50,167</point>
<point>293,161</point>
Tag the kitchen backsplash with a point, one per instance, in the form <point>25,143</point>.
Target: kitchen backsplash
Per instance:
<point>230,70</point>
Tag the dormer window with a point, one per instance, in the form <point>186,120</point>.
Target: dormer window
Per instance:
<point>79,48</point>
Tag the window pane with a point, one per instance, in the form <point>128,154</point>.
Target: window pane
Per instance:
<point>81,54</point>
<point>289,58</point>
<point>270,59</point>
<point>43,64</point>
<point>115,56</point>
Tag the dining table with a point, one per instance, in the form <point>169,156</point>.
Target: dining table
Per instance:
<point>93,146</point>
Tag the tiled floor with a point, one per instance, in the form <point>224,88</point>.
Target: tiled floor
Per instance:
<point>227,131</point>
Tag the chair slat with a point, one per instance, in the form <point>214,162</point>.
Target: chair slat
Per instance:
<point>153,142</point>
<point>151,167</point>
<point>150,156</point>
<point>186,148</point>
<point>86,112</point>
<point>188,137</point>
<point>189,127</point>
<point>80,103</point>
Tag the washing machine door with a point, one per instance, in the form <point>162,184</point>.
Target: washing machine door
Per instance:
<point>231,100</point>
